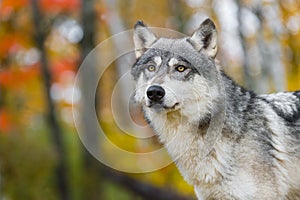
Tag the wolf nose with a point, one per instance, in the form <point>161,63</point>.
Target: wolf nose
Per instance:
<point>155,93</point>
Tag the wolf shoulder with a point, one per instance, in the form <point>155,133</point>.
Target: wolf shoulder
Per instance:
<point>286,105</point>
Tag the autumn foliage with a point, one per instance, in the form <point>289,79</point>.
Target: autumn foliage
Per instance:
<point>27,156</point>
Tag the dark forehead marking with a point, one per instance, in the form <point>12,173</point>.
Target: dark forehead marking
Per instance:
<point>180,58</point>
<point>151,53</point>
<point>146,60</point>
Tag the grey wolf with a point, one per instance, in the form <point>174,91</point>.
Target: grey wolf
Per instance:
<point>181,87</point>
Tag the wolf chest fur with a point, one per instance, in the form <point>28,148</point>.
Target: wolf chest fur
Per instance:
<point>255,149</point>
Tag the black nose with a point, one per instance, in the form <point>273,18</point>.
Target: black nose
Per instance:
<point>155,93</point>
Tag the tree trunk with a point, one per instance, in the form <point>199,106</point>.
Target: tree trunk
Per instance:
<point>92,182</point>
<point>116,25</point>
<point>248,81</point>
<point>273,52</point>
<point>54,128</point>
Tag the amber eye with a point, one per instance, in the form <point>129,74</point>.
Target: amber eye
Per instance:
<point>151,68</point>
<point>180,68</point>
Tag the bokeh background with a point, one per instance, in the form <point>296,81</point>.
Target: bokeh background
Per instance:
<point>43,43</point>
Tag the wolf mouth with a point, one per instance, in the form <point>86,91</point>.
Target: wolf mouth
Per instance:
<point>161,106</point>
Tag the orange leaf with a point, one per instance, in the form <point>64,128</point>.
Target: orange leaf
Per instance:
<point>60,66</point>
<point>8,6</point>
<point>58,5</point>
<point>6,78</point>
<point>11,42</point>
<point>5,122</point>
<point>15,78</point>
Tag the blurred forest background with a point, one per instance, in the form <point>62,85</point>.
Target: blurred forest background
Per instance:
<point>43,43</point>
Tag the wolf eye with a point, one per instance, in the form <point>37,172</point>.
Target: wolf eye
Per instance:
<point>151,68</point>
<point>180,68</point>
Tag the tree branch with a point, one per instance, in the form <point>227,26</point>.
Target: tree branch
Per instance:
<point>145,190</point>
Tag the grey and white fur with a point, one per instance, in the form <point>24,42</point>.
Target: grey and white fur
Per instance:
<point>182,88</point>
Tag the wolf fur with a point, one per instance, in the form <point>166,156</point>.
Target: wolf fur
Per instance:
<point>257,152</point>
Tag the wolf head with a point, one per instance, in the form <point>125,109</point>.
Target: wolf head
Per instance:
<point>176,75</point>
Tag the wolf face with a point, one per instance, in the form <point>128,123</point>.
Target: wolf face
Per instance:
<point>174,75</point>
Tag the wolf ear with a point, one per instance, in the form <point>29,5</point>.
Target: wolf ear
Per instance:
<point>205,37</point>
<point>143,38</point>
